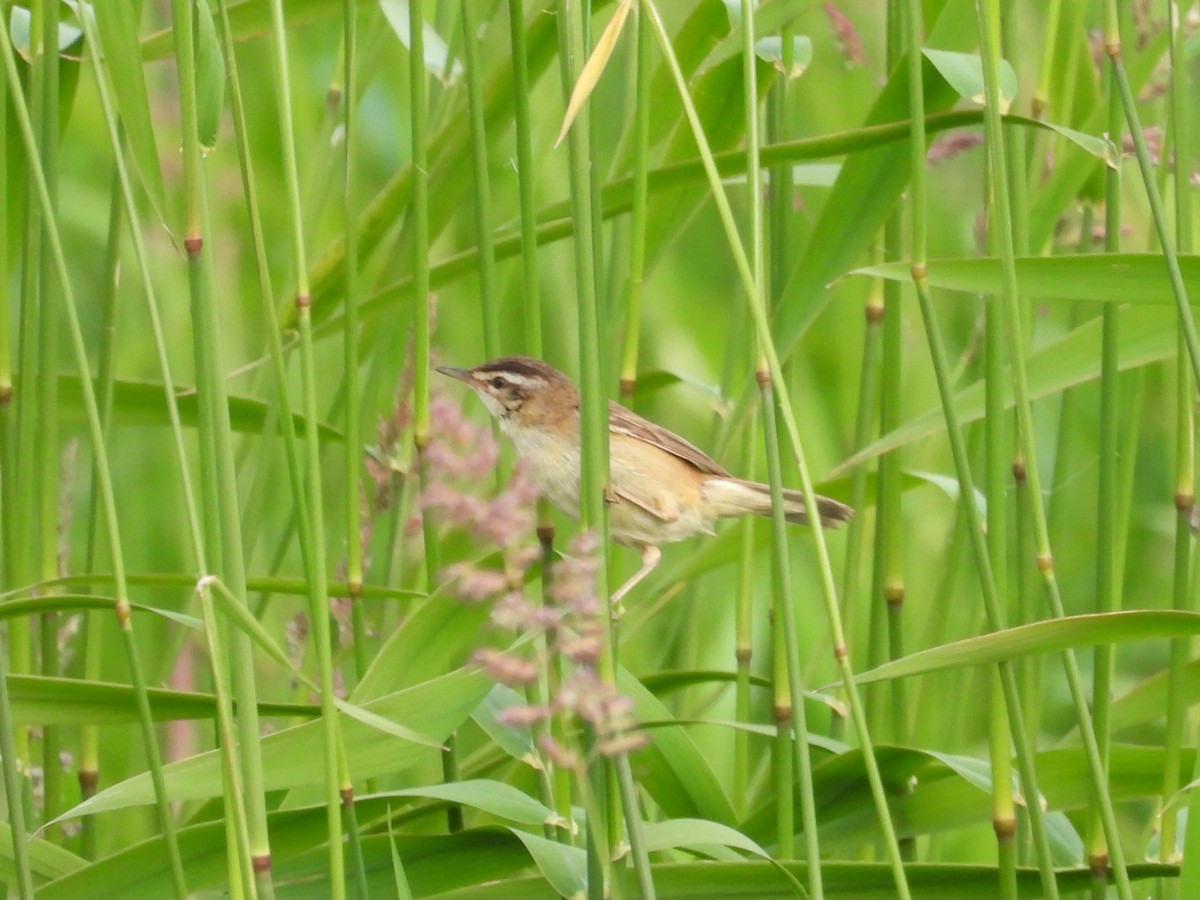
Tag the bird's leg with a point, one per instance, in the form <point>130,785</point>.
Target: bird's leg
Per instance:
<point>650,558</point>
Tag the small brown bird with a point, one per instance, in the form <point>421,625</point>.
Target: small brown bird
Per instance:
<point>662,488</point>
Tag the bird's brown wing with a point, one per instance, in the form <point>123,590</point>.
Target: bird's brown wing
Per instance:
<point>627,422</point>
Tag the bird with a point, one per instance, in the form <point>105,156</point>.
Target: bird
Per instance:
<point>661,489</point>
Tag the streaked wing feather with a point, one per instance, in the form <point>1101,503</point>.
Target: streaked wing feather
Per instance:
<point>627,422</point>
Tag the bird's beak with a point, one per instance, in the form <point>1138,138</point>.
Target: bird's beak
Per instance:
<point>460,374</point>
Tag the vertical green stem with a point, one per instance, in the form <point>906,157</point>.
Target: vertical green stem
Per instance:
<point>91,408</point>
<point>1185,450</point>
<point>318,586</point>
<point>49,453</point>
<point>352,462</point>
<point>223,534</point>
<point>12,779</point>
<point>488,287</point>
<point>526,179</point>
<point>639,210</point>
<point>990,574</point>
<point>1107,596</point>
<point>988,16</point>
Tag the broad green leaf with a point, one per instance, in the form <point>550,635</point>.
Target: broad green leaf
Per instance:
<point>1040,637</point>
<point>964,72</point>
<point>696,834</point>
<point>756,879</point>
<point>493,797</point>
<point>474,857</point>
<point>44,700</point>
<point>439,635</point>
<point>516,742</point>
<point>387,726</point>
<point>563,866</point>
<point>1102,277</point>
<point>433,708</point>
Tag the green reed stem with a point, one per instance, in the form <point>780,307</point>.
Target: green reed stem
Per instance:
<point>526,180</point>
<point>639,212</point>
<point>12,779</point>
<point>488,285</point>
<point>50,450</point>
<point>1185,450</point>
<point>318,599</point>
<point>987,15</point>
<point>1161,226</point>
<point>223,534</point>
<point>93,622</point>
<point>1002,803</point>
<point>241,878</point>
<point>1107,589</point>
<point>96,435</point>
<point>352,461</point>
<point>594,425</point>
<point>126,209</point>
<point>771,357</point>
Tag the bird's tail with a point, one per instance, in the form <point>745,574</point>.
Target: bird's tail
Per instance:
<point>733,496</point>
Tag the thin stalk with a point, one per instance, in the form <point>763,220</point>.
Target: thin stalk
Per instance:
<point>744,642</point>
<point>594,476</point>
<point>318,598</point>
<point>791,741</point>
<point>987,14</point>
<point>350,815</point>
<point>639,210</point>
<point>223,534</point>
<point>858,537</point>
<point>49,449</point>
<point>240,875</point>
<point>783,752</point>
<point>888,576</point>
<point>419,218</point>
<point>13,781</point>
<point>25,506</point>
<point>771,357</point>
<point>1161,226</point>
<point>352,462</point>
<point>488,284</point>
<point>1002,804</point>
<point>1185,454</point>
<point>526,179</point>
<point>93,622</point>
<point>274,341</point>
<point>79,349</point>
<point>785,614</point>
<point>125,209</point>
<point>1107,589</point>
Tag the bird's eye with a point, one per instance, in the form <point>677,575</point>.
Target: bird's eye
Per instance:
<point>498,382</point>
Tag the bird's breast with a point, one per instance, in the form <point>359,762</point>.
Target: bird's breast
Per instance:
<point>553,462</point>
